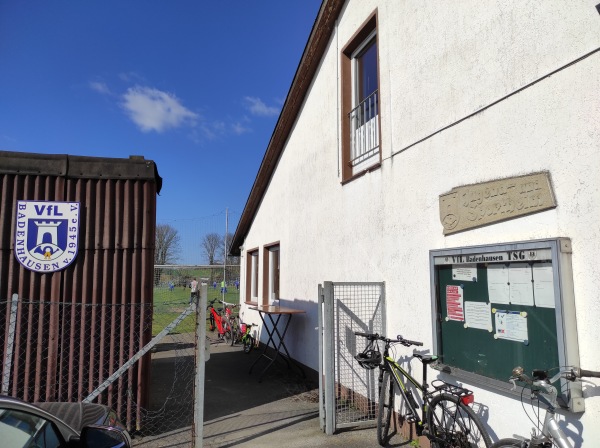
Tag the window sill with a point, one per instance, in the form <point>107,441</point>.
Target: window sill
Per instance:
<point>251,303</point>
<point>362,173</point>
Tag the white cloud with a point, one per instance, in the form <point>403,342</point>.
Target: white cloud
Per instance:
<point>130,77</point>
<point>239,128</point>
<point>100,87</point>
<point>154,110</point>
<point>257,107</point>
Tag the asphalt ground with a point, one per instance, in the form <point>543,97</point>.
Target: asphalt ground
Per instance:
<point>280,411</point>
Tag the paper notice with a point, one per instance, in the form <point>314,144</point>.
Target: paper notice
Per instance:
<point>543,285</point>
<point>498,288</point>
<point>478,315</point>
<point>511,325</point>
<point>454,303</point>
<point>521,288</point>
<point>465,272</point>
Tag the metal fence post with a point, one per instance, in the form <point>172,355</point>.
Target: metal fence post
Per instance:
<point>328,360</point>
<point>10,344</point>
<point>200,367</point>
<point>321,368</point>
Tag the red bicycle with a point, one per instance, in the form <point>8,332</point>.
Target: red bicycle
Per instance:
<point>221,319</point>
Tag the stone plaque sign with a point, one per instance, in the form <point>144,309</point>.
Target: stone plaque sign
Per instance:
<point>482,204</point>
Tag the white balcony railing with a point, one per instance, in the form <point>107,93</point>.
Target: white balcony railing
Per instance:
<point>364,133</point>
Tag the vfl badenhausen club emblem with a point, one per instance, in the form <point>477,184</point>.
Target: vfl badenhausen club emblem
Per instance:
<point>47,234</point>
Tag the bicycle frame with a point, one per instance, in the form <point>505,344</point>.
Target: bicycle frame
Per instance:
<point>397,371</point>
<point>219,319</point>
<point>247,334</point>
<point>548,396</point>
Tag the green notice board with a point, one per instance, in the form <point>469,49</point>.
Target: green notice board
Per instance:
<point>500,306</point>
<point>487,338</point>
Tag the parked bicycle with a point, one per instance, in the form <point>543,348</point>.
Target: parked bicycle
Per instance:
<point>221,319</point>
<point>233,320</point>
<point>248,339</point>
<point>242,334</point>
<point>236,329</point>
<point>444,418</point>
<point>543,391</point>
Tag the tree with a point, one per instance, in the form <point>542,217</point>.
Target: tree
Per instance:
<point>166,248</point>
<point>210,245</point>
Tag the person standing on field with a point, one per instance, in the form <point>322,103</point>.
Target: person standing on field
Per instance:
<point>194,288</point>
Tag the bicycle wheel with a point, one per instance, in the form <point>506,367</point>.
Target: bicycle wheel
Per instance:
<point>211,319</point>
<point>454,424</point>
<point>248,343</point>
<point>386,408</point>
<point>235,333</point>
<point>508,443</point>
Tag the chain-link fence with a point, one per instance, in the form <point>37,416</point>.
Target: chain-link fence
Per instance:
<point>139,359</point>
<point>172,282</point>
<point>55,351</point>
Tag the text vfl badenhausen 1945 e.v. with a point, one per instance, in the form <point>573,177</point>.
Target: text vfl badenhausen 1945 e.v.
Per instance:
<point>46,234</point>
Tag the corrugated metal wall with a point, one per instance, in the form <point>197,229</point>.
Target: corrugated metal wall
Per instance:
<point>77,326</point>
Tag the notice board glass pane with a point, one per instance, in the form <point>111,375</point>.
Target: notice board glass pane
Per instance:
<point>485,337</point>
<point>505,305</point>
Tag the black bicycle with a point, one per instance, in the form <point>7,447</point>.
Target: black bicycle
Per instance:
<point>444,415</point>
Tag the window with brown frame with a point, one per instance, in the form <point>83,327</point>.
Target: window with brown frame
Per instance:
<point>360,102</point>
<point>252,276</point>
<point>271,255</point>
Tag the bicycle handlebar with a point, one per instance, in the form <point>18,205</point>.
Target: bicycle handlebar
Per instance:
<point>399,339</point>
<point>540,377</point>
<point>580,373</point>
<point>233,305</point>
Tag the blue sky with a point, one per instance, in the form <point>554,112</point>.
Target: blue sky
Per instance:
<point>196,86</point>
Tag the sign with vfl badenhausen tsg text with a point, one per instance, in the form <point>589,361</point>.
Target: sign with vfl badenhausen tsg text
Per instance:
<point>46,234</point>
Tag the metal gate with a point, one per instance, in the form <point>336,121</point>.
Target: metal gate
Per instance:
<point>347,393</point>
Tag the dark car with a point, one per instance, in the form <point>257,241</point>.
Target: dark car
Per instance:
<point>59,425</point>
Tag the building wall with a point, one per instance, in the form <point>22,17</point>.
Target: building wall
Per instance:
<point>482,68</point>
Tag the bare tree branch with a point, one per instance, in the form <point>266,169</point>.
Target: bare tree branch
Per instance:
<point>210,245</point>
<point>166,249</point>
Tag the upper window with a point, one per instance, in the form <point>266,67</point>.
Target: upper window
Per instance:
<point>365,73</point>
<point>360,102</point>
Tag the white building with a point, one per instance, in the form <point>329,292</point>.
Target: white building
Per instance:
<point>450,96</point>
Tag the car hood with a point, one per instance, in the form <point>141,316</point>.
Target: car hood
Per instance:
<point>78,415</point>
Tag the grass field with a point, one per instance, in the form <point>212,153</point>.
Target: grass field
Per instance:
<point>170,304</point>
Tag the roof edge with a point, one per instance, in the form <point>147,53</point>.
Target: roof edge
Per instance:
<point>76,167</point>
<point>309,62</point>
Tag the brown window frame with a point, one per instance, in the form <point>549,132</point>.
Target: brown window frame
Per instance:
<point>267,249</point>
<point>347,86</point>
<point>249,278</point>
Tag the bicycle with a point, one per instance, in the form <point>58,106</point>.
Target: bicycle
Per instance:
<point>242,333</point>
<point>247,339</point>
<point>543,391</point>
<point>445,419</point>
<point>232,320</point>
<point>220,321</point>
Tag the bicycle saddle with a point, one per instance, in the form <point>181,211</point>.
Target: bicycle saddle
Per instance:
<point>425,359</point>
